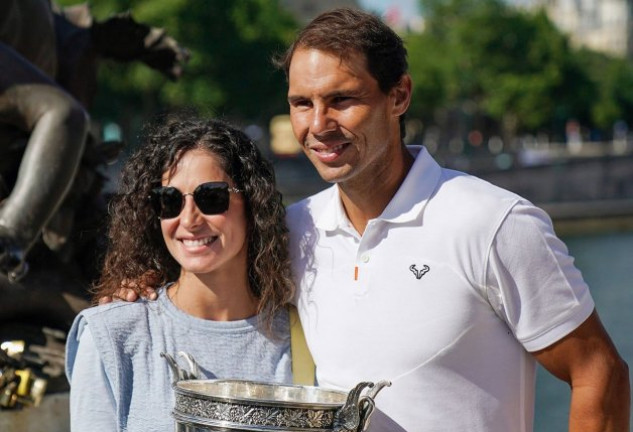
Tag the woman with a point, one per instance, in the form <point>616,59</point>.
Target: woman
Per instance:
<point>198,210</point>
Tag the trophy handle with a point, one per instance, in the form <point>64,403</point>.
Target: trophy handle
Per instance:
<point>354,415</point>
<point>367,404</point>
<point>180,373</point>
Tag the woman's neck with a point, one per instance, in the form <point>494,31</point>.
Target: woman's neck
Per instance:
<point>212,297</point>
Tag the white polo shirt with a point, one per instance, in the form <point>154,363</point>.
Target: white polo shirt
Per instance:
<point>444,294</point>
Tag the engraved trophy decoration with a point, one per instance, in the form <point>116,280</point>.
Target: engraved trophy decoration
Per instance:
<point>238,405</point>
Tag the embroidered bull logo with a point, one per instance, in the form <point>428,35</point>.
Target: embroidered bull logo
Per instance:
<point>419,272</point>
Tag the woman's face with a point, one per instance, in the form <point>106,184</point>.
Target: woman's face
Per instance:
<point>200,243</point>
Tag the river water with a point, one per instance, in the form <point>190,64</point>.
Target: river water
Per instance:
<point>606,261</point>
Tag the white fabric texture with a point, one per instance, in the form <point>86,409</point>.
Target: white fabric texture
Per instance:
<point>444,294</point>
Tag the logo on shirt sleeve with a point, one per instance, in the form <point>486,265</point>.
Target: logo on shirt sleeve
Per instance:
<point>419,272</point>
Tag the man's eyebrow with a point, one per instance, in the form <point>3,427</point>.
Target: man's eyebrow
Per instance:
<point>331,95</point>
<point>344,93</point>
<point>295,98</point>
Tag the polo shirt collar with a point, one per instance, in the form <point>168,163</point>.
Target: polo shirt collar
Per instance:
<point>405,206</point>
<point>416,189</point>
<point>333,214</point>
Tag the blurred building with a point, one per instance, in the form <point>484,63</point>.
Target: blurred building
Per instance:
<point>601,25</point>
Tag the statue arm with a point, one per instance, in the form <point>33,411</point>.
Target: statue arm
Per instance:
<point>57,125</point>
<point>27,95</point>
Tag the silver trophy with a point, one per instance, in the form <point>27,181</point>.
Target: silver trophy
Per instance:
<point>238,405</point>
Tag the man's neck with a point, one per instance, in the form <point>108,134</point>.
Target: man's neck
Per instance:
<point>367,199</point>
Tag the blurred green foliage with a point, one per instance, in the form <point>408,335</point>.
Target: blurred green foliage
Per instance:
<point>614,82</point>
<point>513,68</point>
<point>229,74</point>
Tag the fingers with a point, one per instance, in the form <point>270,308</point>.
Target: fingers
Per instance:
<point>105,300</point>
<point>129,292</point>
<point>149,293</point>
<point>129,295</point>
<point>122,294</point>
<point>148,284</point>
<point>128,284</point>
<point>126,294</point>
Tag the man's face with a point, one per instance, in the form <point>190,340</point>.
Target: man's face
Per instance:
<point>346,125</point>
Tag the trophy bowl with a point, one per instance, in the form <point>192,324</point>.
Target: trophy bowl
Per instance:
<point>238,405</point>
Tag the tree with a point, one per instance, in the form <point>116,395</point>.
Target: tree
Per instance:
<point>613,78</point>
<point>516,68</point>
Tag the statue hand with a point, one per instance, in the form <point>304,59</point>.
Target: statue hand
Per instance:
<point>122,38</point>
<point>12,257</point>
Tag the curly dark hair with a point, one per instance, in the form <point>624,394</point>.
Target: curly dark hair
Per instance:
<point>136,249</point>
<point>345,32</point>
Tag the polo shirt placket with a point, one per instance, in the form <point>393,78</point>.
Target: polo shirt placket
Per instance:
<point>365,258</point>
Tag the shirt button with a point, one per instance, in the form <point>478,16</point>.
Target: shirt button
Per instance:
<point>365,258</point>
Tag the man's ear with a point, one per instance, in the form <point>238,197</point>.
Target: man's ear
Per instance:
<point>401,93</point>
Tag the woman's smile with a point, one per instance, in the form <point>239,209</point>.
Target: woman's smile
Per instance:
<point>192,243</point>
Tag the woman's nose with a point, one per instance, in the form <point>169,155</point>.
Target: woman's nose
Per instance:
<point>190,216</point>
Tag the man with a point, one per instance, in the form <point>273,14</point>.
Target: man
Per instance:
<point>448,286</point>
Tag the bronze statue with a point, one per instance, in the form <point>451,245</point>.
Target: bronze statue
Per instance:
<point>52,205</point>
<point>47,81</point>
<point>49,157</point>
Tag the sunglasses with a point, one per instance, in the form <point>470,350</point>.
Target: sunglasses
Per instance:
<point>211,198</point>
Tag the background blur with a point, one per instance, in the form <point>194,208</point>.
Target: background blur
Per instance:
<point>500,86</point>
<point>533,95</point>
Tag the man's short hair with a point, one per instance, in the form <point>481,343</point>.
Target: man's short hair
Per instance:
<point>345,32</point>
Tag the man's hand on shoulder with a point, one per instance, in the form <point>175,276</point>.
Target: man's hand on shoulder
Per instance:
<point>129,292</point>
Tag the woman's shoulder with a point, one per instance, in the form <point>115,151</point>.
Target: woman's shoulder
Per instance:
<point>116,327</point>
<point>118,317</point>
<point>116,311</point>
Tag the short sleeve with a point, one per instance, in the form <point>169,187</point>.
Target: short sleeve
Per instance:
<point>531,279</point>
<point>92,406</point>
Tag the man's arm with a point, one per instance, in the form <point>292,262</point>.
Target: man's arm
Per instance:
<point>599,378</point>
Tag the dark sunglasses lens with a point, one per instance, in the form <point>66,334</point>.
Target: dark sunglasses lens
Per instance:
<point>167,202</point>
<point>212,198</point>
